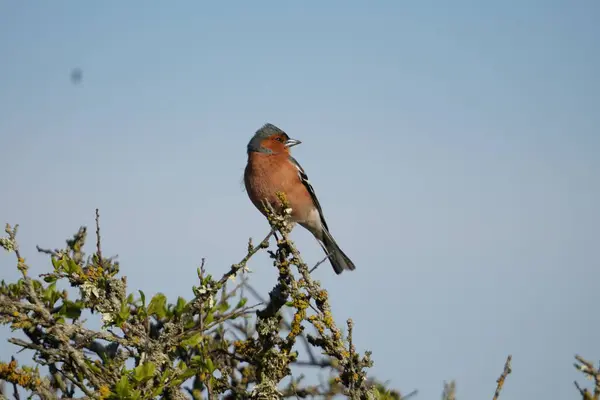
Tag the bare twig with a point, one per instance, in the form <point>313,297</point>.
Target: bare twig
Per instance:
<point>252,250</point>
<point>98,248</point>
<point>411,394</point>
<point>591,372</point>
<point>14,384</point>
<point>319,263</point>
<point>502,378</point>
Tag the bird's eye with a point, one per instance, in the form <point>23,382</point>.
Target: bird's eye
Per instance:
<point>279,139</point>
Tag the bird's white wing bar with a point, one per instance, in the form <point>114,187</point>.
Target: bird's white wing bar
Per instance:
<point>304,179</point>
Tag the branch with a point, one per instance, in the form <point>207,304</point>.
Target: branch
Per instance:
<point>502,378</point>
<point>592,373</point>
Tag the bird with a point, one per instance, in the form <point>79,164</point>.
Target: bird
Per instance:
<point>270,169</point>
<point>76,76</point>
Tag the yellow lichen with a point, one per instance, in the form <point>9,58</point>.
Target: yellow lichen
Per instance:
<point>296,326</point>
<point>10,373</point>
<point>283,199</point>
<point>104,392</point>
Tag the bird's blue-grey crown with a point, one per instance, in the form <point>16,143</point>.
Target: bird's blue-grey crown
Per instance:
<point>264,132</point>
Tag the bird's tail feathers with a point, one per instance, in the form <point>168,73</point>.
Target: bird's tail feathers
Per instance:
<point>338,259</point>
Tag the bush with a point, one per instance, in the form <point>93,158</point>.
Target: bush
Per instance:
<point>215,345</point>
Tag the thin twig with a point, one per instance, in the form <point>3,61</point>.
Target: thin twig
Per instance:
<point>502,378</point>
<point>411,394</point>
<point>585,394</point>
<point>351,350</point>
<point>252,250</point>
<point>591,372</point>
<point>15,389</point>
<point>319,263</point>
<point>98,248</point>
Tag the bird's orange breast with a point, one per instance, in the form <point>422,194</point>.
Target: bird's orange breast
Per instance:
<point>265,175</point>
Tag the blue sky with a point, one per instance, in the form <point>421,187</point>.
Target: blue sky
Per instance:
<point>453,146</point>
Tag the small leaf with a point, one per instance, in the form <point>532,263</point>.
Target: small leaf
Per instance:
<point>164,376</point>
<point>187,373</point>
<point>71,309</point>
<point>192,341</point>
<point>209,365</point>
<point>94,367</point>
<point>71,267</point>
<point>144,372</point>
<point>196,362</point>
<point>51,296</point>
<point>122,388</point>
<point>143,298</point>
<point>181,303</point>
<point>158,391</point>
<point>222,307</point>
<point>158,306</point>
<point>125,312</point>
<point>50,279</point>
<point>242,302</point>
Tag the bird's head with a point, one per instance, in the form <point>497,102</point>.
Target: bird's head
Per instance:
<point>270,139</point>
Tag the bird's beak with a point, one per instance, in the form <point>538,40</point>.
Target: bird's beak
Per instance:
<point>292,142</point>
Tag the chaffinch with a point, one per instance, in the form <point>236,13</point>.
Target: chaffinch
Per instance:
<point>271,169</point>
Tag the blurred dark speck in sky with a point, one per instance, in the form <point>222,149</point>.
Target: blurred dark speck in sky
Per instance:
<point>76,76</point>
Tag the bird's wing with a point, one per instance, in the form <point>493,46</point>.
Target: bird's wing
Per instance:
<point>311,190</point>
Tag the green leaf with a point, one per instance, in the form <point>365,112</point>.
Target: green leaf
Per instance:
<point>181,303</point>
<point>202,362</point>
<point>158,306</point>
<point>197,361</point>
<point>36,284</point>
<point>51,296</point>
<point>242,302</point>
<point>144,372</point>
<point>71,309</point>
<point>158,391</point>
<point>193,340</point>
<point>165,376</point>
<point>187,374</point>
<point>143,298</point>
<point>71,267</point>
<point>49,290</point>
<point>125,312</point>
<point>94,367</point>
<point>122,388</point>
<point>209,365</point>
<point>223,306</point>
<point>50,279</point>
